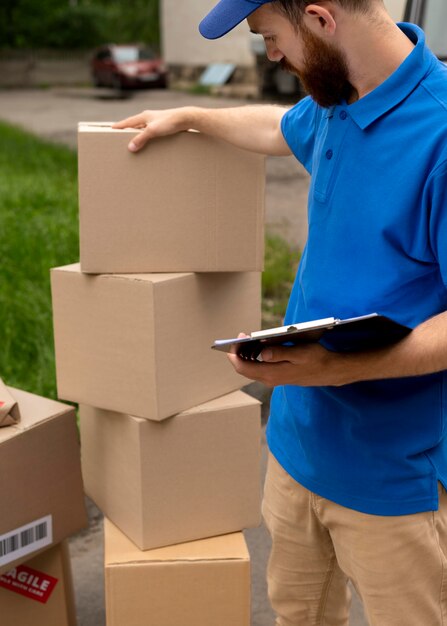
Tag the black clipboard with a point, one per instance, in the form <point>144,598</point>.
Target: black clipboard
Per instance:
<point>340,335</point>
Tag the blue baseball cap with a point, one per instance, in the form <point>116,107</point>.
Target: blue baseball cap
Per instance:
<point>226,15</point>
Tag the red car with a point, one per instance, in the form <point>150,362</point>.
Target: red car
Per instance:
<point>127,66</point>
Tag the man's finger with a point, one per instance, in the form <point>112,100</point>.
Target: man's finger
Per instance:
<point>241,366</point>
<point>140,140</point>
<point>276,354</point>
<point>136,121</point>
<point>262,372</point>
<point>249,369</point>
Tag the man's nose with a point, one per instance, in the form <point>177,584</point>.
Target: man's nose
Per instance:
<point>273,53</point>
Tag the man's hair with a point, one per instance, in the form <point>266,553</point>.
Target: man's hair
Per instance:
<point>294,9</point>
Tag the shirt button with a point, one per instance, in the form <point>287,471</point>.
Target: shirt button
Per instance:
<point>329,155</point>
<point>343,115</point>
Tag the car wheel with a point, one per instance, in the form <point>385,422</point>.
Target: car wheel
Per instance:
<point>116,83</point>
<point>163,83</point>
<point>96,81</point>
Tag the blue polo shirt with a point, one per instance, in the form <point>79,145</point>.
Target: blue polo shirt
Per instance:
<point>377,243</point>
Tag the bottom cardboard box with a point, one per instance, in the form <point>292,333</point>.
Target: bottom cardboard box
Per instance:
<point>201,583</point>
<point>39,592</point>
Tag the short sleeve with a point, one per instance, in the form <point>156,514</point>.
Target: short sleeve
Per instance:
<point>299,127</point>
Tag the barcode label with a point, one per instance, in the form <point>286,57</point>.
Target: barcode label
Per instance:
<point>26,539</point>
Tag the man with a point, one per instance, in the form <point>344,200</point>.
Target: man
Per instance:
<point>358,465</point>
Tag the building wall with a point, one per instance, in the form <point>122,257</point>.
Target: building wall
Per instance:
<point>182,43</point>
<point>396,9</point>
<point>39,68</point>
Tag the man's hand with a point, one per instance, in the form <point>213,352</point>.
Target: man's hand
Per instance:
<point>155,124</point>
<point>305,365</point>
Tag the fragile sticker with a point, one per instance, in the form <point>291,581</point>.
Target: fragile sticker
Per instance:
<point>29,582</point>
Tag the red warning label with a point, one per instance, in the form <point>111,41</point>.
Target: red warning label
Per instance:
<point>29,582</point>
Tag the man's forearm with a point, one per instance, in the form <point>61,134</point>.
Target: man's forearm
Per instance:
<point>256,128</point>
<point>423,351</point>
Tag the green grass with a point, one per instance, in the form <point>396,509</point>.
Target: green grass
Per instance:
<point>39,230</point>
<point>200,90</point>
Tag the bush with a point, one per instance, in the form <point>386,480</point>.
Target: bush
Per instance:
<point>75,27</point>
<point>57,24</point>
<point>134,21</point>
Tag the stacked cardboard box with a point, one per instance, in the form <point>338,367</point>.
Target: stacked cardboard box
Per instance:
<point>41,489</point>
<point>200,583</point>
<point>42,504</point>
<point>40,591</point>
<point>188,203</point>
<point>171,254</point>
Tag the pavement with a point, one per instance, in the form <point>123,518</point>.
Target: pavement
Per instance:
<point>53,114</point>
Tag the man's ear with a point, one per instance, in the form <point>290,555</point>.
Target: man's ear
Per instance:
<point>320,19</point>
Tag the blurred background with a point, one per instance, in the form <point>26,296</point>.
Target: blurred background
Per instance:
<point>53,42</point>
<point>60,42</point>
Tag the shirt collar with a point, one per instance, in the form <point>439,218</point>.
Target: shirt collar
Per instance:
<point>397,86</point>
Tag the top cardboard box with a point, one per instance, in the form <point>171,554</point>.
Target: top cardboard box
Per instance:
<point>185,203</point>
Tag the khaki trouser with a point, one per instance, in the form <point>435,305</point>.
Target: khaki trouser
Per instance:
<point>397,564</point>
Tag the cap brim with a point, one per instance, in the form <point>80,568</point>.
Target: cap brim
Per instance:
<point>226,15</point>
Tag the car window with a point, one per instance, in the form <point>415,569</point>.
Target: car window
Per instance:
<point>103,55</point>
<point>131,54</point>
<point>146,54</point>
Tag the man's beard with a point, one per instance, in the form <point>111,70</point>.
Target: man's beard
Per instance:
<point>324,74</point>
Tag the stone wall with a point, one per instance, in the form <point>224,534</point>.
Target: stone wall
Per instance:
<point>44,68</point>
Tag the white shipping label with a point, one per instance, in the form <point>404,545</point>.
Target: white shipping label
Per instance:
<point>26,539</point>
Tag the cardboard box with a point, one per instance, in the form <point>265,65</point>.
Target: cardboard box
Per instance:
<point>185,203</point>
<point>192,476</point>
<point>140,343</point>
<point>41,491</point>
<point>39,592</point>
<point>202,583</point>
